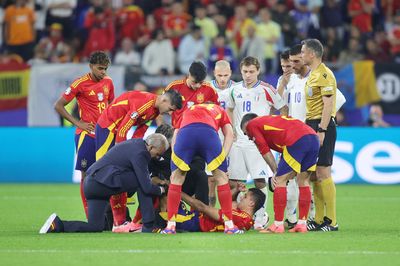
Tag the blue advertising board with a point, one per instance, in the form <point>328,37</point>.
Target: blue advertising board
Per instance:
<point>362,155</point>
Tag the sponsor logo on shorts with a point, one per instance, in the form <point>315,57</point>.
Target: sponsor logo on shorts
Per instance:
<point>83,163</point>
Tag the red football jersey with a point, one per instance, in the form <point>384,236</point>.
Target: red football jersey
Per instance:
<point>190,97</point>
<point>275,132</point>
<point>241,219</point>
<point>210,114</point>
<point>133,108</point>
<point>92,97</point>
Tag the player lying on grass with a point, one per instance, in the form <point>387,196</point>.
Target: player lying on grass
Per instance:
<point>205,218</point>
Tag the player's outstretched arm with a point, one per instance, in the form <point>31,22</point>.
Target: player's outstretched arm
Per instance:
<point>199,206</point>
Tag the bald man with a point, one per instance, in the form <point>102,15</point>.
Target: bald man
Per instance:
<point>222,81</point>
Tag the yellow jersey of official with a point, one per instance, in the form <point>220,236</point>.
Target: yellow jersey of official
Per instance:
<point>321,82</point>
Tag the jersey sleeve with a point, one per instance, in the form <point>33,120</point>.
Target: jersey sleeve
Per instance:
<point>327,84</point>
<point>230,99</point>
<point>258,138</point>
<point>71,92</point>
<point>213,96</point>
<point>126,123</point>
<point>340,99</point>
<point>273,97</point>
<point>224,119</point>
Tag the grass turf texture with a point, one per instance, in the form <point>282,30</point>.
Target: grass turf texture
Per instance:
<point>368,224</point>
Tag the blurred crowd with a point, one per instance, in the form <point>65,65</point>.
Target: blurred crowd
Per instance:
<point>163,37</point>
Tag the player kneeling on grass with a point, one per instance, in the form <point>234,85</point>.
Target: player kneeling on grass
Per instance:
<point>205,218</point>
<point>124,168</point>
<point>299,146</point>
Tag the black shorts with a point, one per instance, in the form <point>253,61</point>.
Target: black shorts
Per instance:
<point>326,151</point>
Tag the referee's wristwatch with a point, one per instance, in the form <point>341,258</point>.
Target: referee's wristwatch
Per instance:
<point>320,129</point>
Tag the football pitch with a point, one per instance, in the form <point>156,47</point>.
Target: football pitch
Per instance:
<point>368,235</point>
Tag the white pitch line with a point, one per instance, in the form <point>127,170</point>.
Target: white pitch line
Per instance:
<point>205,251</point>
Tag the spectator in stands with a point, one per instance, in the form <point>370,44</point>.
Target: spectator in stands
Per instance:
<point>375,53</point>
<point>237,26</point>
<point>208,26</point>
<point>351,54</point>
<point>360,12</point>
<point>54,47</point>
<point>221,23</point>
<point>289,31</point>
<point>61,11</point>
<point>254,46</point>
<point>394,37</point>
<point>376,116</point>
<point>192,48</point>
<point>332,46</point>
<point>39,56</point>
<point>212,10</point>
<point>251,8</point>
<point>19,20</point>
<point>159,55</point>
<point>127,55</point>
<point>390,8</point>
<point>176,24</point>
<point>302,18</point>
<point>331,17</point>
<point>221,51</point>
<point>270,32</point>
<point>161,13</point>
<point>148,31</point>
<point>101,31</point>
<point>129,21</point>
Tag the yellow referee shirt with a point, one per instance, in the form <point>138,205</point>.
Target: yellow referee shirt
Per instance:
<point>321,82</point>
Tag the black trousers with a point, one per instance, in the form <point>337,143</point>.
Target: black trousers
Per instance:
<point>98,196</point>
<point>196,181</point>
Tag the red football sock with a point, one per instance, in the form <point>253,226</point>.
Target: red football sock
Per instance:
<point>118,207</point>
<point>304,202</point>
<point>84,201</point>
<point>280,198</point>
<point>225,200</point>
<point>174,197</point>
<point>138,214</point>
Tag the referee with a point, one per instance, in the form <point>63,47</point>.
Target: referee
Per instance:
<point>320,92</point>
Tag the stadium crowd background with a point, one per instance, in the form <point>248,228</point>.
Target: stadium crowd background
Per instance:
<point>164,37</point>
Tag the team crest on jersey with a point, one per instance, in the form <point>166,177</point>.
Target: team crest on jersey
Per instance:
<point>190,104</point>
<point>68,91</point>
<point>106,90</point>
<point>83,163</point>
<point>100,96</point>
<point>200,98</point>
<point>134,115</point>
<point>310,92</point>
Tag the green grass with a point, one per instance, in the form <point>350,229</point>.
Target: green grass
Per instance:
<point>368,219</point>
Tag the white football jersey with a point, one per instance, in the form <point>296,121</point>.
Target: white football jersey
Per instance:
<point>294,97</point>
<point>223,94</point>
<point>259,99</point>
